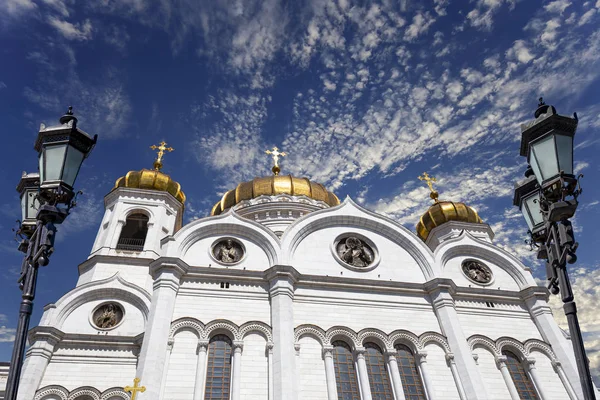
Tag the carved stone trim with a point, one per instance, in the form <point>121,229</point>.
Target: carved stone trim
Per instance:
<point>523,350</point>
<point>54,390</point>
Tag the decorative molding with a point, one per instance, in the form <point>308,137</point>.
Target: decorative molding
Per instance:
<point>357,340</point>
<point>53,390</point>
<point>63,394</point>
<point>236,333</point>
<point>522,350</point>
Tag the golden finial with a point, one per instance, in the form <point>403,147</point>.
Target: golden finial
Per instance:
<point>276,154</point>
<point>133,390</point>
<point>161,152</point>
<point>429,180</point>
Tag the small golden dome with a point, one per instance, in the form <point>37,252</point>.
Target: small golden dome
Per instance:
<point>445,211</point>
<point>151,180</point>
<point>274,185</point>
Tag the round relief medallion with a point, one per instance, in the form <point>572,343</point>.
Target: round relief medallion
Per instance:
<point>107,315</point>
<point>356,252</point>
<point>227,251</point>
<point>477,271</point>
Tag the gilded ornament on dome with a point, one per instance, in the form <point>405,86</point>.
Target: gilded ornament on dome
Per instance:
<point>355,252</point>
<point>228,251</point>
<point>477,271</point>
<point>107,316</point>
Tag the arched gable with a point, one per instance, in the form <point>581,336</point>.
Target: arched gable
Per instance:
<point>349,215</point>
<point>114,288</point>
<point>465,245</point>
<point>227,224</point>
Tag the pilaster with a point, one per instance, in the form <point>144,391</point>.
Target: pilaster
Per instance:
<point>421,358</point>
<point>392,364</point>
<point>445,311</point>
<point>512,389</point>
<point>363,373</point>
<point>167,273</point>
<point>536,300</point>
<point>330,372</point>
<point>282,279</point>
<point>43,341</point>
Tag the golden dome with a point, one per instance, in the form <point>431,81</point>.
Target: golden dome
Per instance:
<point>445,211</point>
<point>151,180</point>
<point>274,185</point>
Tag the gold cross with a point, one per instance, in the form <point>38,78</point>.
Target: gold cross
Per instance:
<point>276,154</point>
<point>161,152</point>
<point>429,180</point>
<point>133,390</point>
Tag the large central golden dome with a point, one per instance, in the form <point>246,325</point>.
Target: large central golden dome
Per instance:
<point>274,185</point>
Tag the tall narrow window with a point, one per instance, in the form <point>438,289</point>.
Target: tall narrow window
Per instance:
<point>133,235</point>
<point>378,373</point>
<point>345,373</point>
<point>519,376</point>
<point>218,369</point>
<point>411,380</point>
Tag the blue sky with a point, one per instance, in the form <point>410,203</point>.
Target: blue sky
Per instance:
<point>365,96</point>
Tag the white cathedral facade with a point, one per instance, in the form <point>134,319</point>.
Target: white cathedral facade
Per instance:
<point>284,293</point>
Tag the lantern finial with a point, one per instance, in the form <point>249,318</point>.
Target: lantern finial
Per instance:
<point>68,117</point>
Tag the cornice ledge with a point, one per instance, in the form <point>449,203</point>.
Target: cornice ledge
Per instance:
<point>440,284</point>
<point>98,258</point>
<point>282,272</point>
<point>171,264</point>
<point>535,292</point>
<point>47,333</point>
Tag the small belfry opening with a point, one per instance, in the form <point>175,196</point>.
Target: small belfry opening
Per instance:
<point>133,235</point>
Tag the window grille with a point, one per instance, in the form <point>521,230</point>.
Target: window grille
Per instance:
<point>378,374</point>
<point>519,376</point>
<point>409,374</point>
<point>218,369</point>
<point>133,234</point>
<point>345,373</point>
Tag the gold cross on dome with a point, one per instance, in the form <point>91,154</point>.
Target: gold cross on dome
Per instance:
<point>429,181</point>
<point>276,154</point>
<point>160,154</point>
<point>133,390</point>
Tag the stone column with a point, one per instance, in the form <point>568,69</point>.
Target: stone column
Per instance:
<point>536,300</point>
<point>421,357</point>
<point>270,368</point>
<point>501,364</point>
<point>167,273</point>
<point>281,291</point>
<point>392,365</point>
<point>44,340</point>
<point>563,378</point>
<point>114,240</point>
<point>445,311</point>
<point>363,373</point>
<point>529,364</point>
<point>330,372</point>
<point>163,382</point>
<point>457,382</point>
<point>236,375</point>
<point>200,370</point>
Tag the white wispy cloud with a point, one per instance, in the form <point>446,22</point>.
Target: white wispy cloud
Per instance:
<point>77,31</point>
<point>15,8</point>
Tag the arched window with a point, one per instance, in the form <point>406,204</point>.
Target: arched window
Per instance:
<point>345,373</point>
<point>378,373</point>
<point>218,369</point>
<point>519,376</point>
<point>133,235</point>
<point>411,380</point>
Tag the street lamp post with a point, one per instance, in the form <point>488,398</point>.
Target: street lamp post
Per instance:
<point>46,199</point>
<point>548,198</point>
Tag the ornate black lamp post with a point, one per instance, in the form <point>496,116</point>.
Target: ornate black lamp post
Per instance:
<point>46,199</point>
<point>548,198</point>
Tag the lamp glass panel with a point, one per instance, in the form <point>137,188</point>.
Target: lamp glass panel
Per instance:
<point>33,204</point>
<point>72,164</point>
<point>564,148</point>
<point>24,207</point>
<point>535,168</point>
<point>545,156</point>
<point>53,158</point>
<point>533,212</point>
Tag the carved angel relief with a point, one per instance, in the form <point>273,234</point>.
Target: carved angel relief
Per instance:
<point>355,252</point>
<point>228,251</point>
<point>108,316</point>
<point>477,271</point>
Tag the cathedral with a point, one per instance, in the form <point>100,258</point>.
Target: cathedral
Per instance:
<point>287,293</point>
